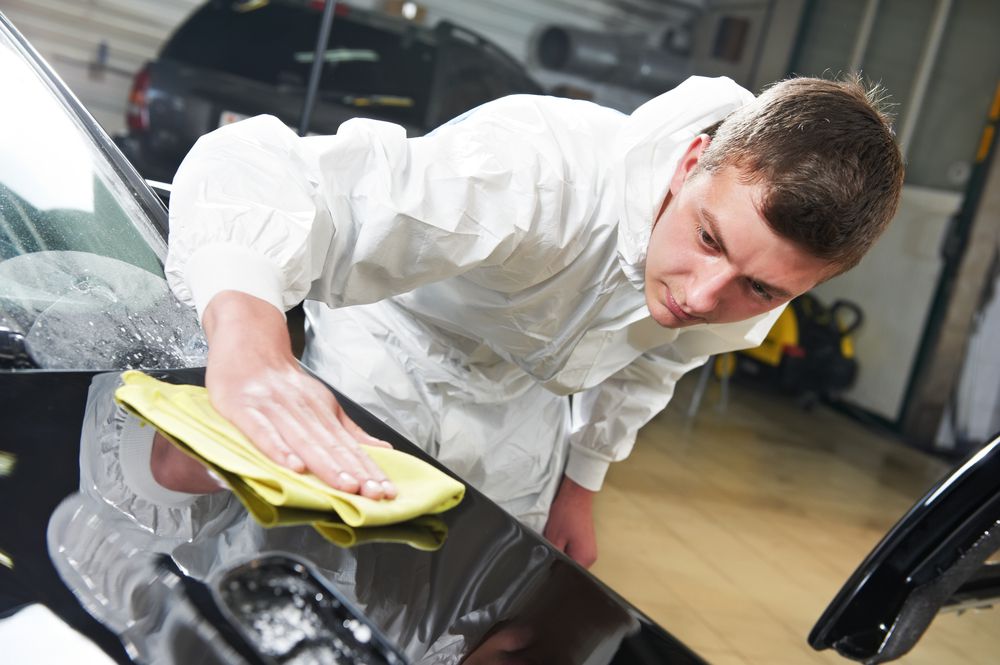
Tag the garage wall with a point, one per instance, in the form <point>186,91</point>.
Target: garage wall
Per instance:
<point>70,34</point>
<point>895,284</point>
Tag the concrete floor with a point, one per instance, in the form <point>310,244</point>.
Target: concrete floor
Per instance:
<point>736,530</point>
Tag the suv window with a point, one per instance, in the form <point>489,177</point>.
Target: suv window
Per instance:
<point>275,44</point>
<point>471,74</point>
<point>81,275</point>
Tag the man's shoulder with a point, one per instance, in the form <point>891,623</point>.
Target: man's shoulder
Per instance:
<point>534,115</point>
<point>555,104</point>
<point>551,139</point>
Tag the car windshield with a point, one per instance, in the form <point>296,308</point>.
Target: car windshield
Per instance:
<point>81,263</point>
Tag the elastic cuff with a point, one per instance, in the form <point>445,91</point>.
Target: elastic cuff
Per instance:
<point>135,448</point>
<point>218,267</point>
<point>586,470</point>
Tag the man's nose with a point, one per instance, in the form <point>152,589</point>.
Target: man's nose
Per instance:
<point>707,289</point>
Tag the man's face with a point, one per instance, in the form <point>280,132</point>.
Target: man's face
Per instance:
<point>712,257</point>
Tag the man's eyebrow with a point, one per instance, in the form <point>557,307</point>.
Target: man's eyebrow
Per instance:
<point>773,290</point>
<point>713,228</point>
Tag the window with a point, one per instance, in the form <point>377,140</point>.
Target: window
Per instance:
<point>81,275</point>
<point>366,65</point>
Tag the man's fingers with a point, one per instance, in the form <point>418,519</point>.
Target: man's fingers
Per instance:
<point>386,486</point>
<point>259,429</point>
<point>298,424</point>
<point>374,483</point>
<point>333,454</point>
<point>359,434</point>
<point>309,443</point>
<point>585,556</point>
<point>579,548</point>
<point>557,541</point>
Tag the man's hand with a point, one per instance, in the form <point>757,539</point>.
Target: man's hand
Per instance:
<point>571,523</point>
<point>256,383</point>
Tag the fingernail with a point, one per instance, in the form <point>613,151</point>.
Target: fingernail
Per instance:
<point>373,486</point>
<point>294,461</point>
<point>347,478</point>
<point>388,486</point>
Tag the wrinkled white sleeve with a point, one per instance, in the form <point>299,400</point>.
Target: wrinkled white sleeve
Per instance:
<point>607,418</point>
<point>355,217</point>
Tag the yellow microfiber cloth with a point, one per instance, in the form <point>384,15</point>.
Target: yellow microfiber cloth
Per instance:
<point>427,532</point>
<point>185,415</point>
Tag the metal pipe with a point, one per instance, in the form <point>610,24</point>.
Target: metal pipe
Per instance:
<point>319,57</point>
<point>924,71</point>
<point>864,35</point>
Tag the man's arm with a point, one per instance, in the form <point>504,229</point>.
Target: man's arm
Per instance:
<point>571,523</point>
<point>261,218</point>
<point>606,419</point>
<point>255,382</point>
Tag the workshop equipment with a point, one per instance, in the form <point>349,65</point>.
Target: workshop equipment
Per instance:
<point>809,352</point>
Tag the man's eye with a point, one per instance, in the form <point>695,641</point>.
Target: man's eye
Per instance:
<point>707,239</point>
<point>759,289</point>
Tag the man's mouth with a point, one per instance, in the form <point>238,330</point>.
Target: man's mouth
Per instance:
<point>676,310</point>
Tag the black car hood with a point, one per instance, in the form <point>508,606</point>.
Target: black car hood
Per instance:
<point>491,575</point>
<point>933,558</point>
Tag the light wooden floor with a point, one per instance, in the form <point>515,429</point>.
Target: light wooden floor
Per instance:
<point>735,533</point>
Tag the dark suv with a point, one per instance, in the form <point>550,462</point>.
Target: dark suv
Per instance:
<point>230,60</point>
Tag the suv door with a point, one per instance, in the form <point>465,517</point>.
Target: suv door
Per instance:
<point>471,71</point>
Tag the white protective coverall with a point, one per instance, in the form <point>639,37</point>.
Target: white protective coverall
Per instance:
<point>467,281</point>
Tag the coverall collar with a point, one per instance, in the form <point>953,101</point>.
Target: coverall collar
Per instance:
<point>647,149</point>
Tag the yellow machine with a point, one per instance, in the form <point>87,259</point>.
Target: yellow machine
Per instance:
<point>809,350</point>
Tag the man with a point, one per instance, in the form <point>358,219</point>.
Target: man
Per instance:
<point>462,285</point>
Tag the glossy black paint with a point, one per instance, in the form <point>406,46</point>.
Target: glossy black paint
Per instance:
<point>932,558</point>
<point>44,412</point>
<point>647,645</point>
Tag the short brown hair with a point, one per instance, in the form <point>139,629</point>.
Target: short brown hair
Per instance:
<point>827,157</point>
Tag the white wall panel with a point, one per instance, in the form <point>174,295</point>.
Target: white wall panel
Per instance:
<point>894,285</point>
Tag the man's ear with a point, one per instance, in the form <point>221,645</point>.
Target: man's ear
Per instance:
<point>688,162</point>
